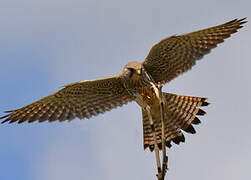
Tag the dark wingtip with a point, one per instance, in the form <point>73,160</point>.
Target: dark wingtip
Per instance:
<point>176,140</point>
<point>168,144</point>
<point>11,121</point>
<point>190,129</point>
<point>204,99</point>
<point>242,20</point>
<point>182,138</point>
<point>4,116</point>
<point>151,147</point>
<point>21,121</point>
<point>205,103</point>
<point>201,112</point>
<point>196,121</point>
<point>4,121</point>
<point>9,111</point>
<point>145,146</point>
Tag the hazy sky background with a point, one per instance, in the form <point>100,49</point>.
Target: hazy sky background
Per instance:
<point>45,44</point>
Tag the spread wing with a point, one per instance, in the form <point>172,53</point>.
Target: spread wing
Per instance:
<point>177,54</point>
<point>82,100</point>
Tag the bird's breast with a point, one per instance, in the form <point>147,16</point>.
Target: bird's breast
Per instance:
<point>147,97</point>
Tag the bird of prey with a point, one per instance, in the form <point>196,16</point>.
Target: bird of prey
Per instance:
<point>166,60</point>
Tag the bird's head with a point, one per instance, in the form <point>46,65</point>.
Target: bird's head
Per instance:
<point>132,71</point>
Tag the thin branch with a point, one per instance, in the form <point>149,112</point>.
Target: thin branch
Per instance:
<point>163,139</point>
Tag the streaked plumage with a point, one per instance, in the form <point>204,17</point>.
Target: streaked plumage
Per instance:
<point>177,54</point>
<point>181,112</point>
<point>81,100</point>
<point>165,61</point>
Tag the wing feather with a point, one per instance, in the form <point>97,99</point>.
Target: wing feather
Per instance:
<point>81,100</point>
<point>177,54</point>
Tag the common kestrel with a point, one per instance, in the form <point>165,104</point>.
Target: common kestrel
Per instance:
<point>166,60</point>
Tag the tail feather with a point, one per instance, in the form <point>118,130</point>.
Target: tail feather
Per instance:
<point>181,112</point>
<point>196,121</point>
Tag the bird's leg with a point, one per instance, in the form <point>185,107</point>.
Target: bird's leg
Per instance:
<point>157,90</point>
<point>163,139</point>
<point>156,148</point>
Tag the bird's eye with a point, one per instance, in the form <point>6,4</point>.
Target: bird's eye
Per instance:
<point>138,71</point>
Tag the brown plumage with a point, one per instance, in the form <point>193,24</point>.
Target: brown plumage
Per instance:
<point>165,61</point>
<point>181,112</point>
<point>81,100</point>
<point>177,54</point>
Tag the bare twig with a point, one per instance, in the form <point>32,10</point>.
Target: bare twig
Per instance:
<point>163,139</point>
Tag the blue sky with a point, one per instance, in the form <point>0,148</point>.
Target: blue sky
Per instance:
<point>47,44</point>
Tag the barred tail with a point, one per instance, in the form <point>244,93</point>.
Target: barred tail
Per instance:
<point>181,113</point>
